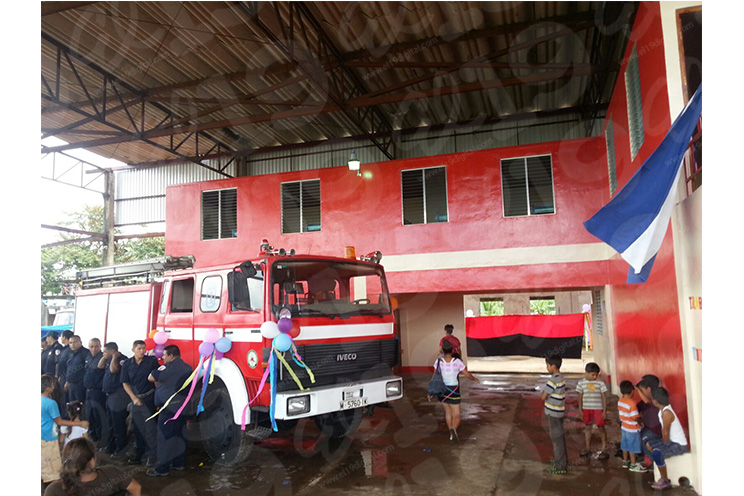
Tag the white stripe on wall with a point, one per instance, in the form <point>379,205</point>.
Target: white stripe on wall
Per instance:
<point>499,257</point>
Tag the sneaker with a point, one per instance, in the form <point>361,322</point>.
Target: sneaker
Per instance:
<point>626,463</point>
<point>134,461</point>
<point>661,484</point>
<point>585,453</point>
<point>602,455</point>
<point>180,469</point>
<point>638,467</point>
<point>454,435</point>
<point>154,473</point>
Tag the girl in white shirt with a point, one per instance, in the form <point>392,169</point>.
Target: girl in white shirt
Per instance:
<point>451,368</point>
<point>74,412</point>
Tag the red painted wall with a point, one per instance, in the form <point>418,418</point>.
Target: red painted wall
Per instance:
<point>646,316</point>
<point>366,212</point>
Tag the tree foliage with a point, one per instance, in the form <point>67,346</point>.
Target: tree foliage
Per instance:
<point>59,264</point>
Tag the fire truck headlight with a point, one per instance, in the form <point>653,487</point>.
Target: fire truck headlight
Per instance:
<point>394,388</point>
<point>298,404</point>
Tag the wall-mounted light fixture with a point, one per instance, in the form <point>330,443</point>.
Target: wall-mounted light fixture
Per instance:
<point>354,163</point>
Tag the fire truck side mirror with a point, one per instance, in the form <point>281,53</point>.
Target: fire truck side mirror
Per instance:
<point>237,290</point>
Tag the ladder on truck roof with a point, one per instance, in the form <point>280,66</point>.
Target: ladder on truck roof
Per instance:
<point>132,273</point>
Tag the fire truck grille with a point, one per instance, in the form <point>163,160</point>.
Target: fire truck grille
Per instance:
<point>340,362</point>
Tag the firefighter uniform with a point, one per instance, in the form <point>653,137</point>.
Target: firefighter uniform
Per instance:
<point>75,373</point>
<point>136,375</point>
<point>95,399</point>
<point>52,357</point>
<point>171,440</point>
<point>116,409</point>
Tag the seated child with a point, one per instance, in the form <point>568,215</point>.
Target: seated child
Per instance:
<point>673,441</point>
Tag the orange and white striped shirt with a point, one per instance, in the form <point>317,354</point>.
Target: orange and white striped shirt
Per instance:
<point>629,415</point>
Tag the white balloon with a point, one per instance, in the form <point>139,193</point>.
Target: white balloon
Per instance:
<point>587,308</point>
<point>469,313</point>
<point>269,330</point>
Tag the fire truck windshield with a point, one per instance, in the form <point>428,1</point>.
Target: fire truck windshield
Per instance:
<point>323,288</point>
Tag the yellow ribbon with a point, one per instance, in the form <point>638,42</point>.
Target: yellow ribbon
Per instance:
<point>296,357</point>
<point>291,372</point>
<point>185,383</point>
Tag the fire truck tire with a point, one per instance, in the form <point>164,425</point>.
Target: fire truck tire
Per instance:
<point>224,441</point>
<point>339,424</point>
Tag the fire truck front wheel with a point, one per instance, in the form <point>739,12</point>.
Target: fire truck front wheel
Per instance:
<point>339,424</point>
<point>223,439</point>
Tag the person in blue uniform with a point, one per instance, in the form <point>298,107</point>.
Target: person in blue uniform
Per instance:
<point>62,358</point>
<point>171,441</point>
<point>75,370</point>
<point>134,374</point>
<point>116,400</point>
<point>95,399</point>
<point>53,350</point>
<point>44,352</point>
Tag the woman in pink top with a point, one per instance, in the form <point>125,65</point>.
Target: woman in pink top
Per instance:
<point>451,368</point>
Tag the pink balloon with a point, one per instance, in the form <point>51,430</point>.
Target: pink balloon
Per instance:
<point>212,335</point>
<point>206,349</point>
<point>160,337</point>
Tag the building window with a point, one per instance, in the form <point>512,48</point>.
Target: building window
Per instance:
<point>424,194</point>
<point>527,186</point>
<point>301,206</point>
<point>491,307</point>
<point>611,166</point>
<point>544,305</point>
<point>219,209</point>
<point>635,106</point>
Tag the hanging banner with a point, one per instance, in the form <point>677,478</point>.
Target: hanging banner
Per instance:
<point>525,335</point>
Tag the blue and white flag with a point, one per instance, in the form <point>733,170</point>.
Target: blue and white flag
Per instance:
<point>634,223</point>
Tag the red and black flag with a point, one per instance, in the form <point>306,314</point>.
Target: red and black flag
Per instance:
<point>527,335</point>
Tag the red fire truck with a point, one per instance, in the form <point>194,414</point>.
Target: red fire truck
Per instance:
<point>342,320</point>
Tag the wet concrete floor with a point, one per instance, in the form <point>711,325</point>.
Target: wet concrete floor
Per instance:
<point>504,449</point>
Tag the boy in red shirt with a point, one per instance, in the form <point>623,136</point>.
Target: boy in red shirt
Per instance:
<point>448,329</point>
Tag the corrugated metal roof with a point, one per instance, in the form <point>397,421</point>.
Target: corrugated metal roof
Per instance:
<point>153,81</point>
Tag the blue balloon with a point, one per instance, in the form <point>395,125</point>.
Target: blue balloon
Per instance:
<point>223,345</point>
<point>282,342</point>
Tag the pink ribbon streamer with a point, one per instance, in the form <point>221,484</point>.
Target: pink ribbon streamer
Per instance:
<point>191,391</point>
<point>258,393</point>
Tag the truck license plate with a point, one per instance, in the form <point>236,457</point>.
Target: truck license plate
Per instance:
<point>353,403</point>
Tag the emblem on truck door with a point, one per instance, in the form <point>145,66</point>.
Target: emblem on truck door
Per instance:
<point>252,359</point>
<point>346,357</point>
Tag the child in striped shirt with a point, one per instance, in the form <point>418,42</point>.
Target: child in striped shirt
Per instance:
<point>593,400</point>
<point>554,398</point>
<point>630,428</point>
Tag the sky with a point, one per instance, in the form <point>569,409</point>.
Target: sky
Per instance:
<point>65,195</point>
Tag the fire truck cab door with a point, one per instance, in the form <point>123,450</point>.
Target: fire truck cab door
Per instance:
<point>178,318</point>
